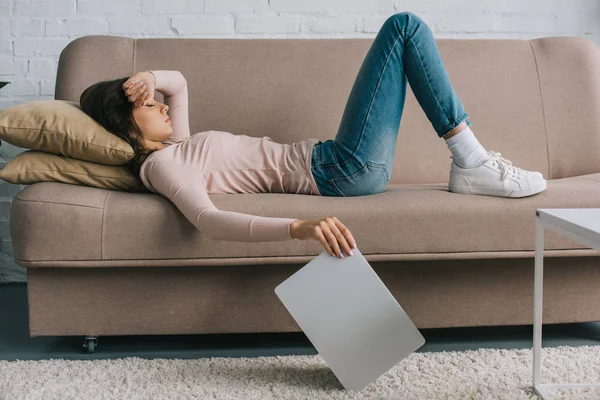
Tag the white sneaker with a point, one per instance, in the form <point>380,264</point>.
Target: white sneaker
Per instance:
<point>495,177</point>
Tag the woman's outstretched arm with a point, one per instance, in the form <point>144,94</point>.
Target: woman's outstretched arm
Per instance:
<point>173,86</point>
<point>184,186</point>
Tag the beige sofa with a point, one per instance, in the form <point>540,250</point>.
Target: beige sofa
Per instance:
<point>103,262</point>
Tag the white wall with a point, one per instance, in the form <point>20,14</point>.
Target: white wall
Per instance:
<point>33,33</point>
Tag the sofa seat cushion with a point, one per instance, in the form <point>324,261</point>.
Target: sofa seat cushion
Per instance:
<point>58,224</point>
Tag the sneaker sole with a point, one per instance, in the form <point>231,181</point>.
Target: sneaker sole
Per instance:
<point>514,194</point>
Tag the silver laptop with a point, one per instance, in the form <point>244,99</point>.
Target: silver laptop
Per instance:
<point>350,317</point>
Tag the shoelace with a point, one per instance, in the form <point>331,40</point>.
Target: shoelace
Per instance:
<point>505,166</point>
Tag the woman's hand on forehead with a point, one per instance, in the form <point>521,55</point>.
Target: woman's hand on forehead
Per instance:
<point>139,89</point>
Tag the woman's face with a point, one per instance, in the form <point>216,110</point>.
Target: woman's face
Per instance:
<point>152,120</point>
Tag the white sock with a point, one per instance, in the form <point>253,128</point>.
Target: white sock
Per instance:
<point>466,150</point>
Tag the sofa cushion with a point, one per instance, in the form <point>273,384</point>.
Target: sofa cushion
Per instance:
<point>57,224</point>
<point>60,127</point>
<point>37,166</point>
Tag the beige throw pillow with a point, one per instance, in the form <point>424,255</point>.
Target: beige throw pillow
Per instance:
<point>35,166</point>
<point>60,127</point>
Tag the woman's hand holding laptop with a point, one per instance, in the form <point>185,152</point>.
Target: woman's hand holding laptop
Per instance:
<point>329,231</point>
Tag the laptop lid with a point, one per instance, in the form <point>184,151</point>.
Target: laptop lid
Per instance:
<point>350,317</point>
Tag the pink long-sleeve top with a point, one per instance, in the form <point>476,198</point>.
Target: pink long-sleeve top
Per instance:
<point>190,168</point>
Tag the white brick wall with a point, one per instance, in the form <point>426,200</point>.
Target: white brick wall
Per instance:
<point>33,33</point>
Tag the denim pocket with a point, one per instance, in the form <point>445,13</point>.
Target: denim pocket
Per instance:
<point>372,178</point>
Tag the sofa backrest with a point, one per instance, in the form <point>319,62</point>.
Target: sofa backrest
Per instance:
<point>537,102</point>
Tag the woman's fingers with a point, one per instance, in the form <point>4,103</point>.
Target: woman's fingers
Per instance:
<point>132,87</point>
<point>334,236</point>
<point>136,92</point>
<point>140,98</point>
<point>127,84</point>
<point>141,90</point>
<point>323,241</point>
<point>331,238</point>
<point>346,232</point>
<point>340,238</point>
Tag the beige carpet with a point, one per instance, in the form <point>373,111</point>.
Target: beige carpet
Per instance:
<point>477,374</point>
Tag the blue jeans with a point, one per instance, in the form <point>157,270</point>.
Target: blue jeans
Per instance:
<point>359,160</point>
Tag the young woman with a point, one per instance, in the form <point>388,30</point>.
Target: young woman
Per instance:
<point>185,168</point>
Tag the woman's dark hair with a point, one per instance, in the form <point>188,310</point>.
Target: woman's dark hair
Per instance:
<point>107,103</point>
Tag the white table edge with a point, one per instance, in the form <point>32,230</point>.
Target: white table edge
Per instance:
<point>563,227</point>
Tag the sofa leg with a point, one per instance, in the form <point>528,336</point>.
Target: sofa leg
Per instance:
<point>90,343</point>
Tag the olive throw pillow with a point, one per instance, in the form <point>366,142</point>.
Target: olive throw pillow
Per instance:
<point>35,166</point>
<point>61,127</point>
